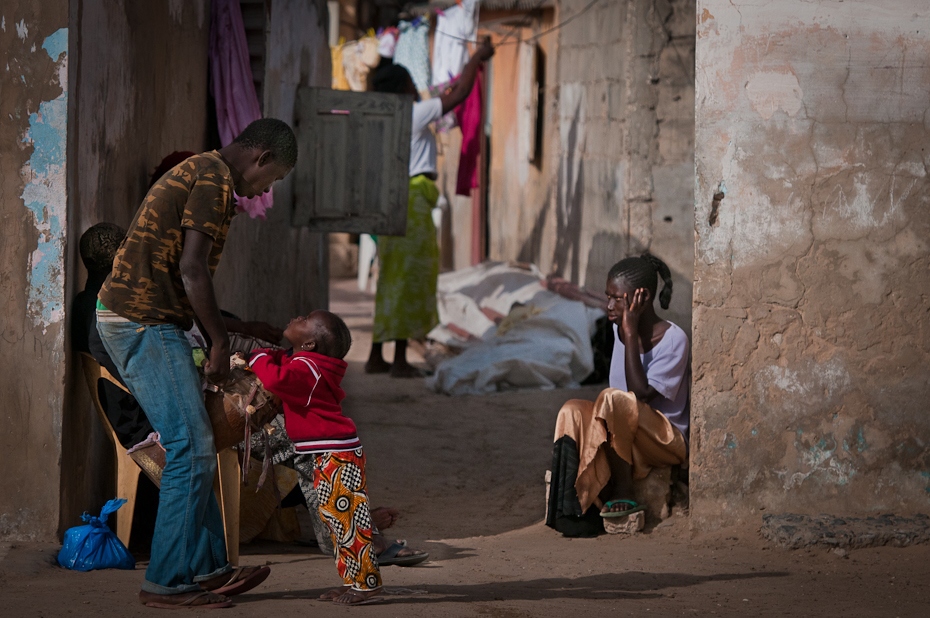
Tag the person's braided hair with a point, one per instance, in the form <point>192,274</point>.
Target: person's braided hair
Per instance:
<point>336,334</point>
<point>644,272</point>
<point>273,135</point>
<point>98,246</point>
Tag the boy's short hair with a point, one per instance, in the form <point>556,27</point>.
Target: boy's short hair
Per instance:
<point>98,246</point>
<point>336,334</point>
<point>273,135</point>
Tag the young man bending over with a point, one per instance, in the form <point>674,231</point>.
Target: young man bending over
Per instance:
<point>160,283</point>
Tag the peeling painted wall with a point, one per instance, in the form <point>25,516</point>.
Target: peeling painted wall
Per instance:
<point>811,323</point>
<point>270,270</point>
<point>33,209</point>
<point>139,92</point>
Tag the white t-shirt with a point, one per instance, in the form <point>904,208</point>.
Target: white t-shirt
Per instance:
<point>668,370</point>
<point>422,140</point>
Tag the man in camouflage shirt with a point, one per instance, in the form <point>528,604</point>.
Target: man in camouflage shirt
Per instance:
<point>161,282</point>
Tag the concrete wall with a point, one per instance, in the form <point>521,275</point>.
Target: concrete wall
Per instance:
<point>270,270</point>
<point>521,190</point>
<point>811,336</point>
<point>34,96</point>
<point>139,92</point>
<point>622,163</point>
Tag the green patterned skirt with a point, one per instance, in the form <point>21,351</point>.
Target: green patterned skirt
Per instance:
<point>405,303</point>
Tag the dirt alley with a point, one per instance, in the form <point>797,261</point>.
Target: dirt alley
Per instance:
<point>467,474</point>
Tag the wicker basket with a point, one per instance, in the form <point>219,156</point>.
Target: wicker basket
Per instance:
<point>240,400</point>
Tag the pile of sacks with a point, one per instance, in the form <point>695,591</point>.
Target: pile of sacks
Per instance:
<point>507,330</point>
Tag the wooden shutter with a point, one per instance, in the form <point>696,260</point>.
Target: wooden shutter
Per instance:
<point>352,170</point>
<point>255,20</point>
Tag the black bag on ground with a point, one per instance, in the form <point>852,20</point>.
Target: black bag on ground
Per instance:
<point>564,510</point>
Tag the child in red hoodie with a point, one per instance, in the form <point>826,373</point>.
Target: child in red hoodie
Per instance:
<point>307,379</point>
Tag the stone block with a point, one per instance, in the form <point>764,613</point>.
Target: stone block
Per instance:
<point>631,524</point>
<point>616,99</point>
<point>598,100</point>
<point>655,493</point>
<point>598,140</point>
<point>793,531</point>
<point>681,22</point>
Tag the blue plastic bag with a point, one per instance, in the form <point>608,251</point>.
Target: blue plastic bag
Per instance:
<point>95,546</point>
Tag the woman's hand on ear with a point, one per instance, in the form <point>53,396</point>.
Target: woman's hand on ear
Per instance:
<point>639,302</point>
<point>633,308</point>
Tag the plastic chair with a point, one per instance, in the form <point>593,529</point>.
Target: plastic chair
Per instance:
<point>226,484</point>
<point>367,251</point>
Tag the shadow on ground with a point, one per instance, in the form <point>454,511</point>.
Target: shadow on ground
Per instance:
<point>609,586</point>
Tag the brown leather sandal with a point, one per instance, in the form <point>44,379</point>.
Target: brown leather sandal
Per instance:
<point>199,599</point>
<point>237,581</point>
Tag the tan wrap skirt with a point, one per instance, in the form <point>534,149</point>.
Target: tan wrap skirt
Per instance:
<point>640,435</point>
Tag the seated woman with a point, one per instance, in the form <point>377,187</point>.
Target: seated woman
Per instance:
<point>640,422</point>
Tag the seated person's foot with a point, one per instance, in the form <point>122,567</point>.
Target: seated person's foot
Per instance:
<point>359,597</point>
<point>406,370</point>
<point>377,365</point>
<point>384,517</point>
<point>396,552</point>
<point>335,593</point>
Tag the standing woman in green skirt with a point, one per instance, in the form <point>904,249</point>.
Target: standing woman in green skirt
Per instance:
<point>405,303</point>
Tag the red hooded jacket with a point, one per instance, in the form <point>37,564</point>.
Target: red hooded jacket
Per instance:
<point>309,386</point>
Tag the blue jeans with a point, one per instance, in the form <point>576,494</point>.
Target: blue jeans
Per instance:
<point>155,361</point>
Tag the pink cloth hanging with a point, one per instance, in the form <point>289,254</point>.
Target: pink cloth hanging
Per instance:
<point>469,114</point>
<point>232,86</point>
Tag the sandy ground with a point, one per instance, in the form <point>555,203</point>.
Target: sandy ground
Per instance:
<point>468,475</point>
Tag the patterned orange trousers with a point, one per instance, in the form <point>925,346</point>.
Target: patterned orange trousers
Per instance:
<point>339,479</point>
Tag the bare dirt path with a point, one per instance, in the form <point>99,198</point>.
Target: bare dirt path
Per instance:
<point>467,474</point>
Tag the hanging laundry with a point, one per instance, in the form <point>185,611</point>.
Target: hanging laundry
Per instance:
<point>470,116</point>
<point>358,58</point>
<point>412,51</point>
<point>233,88</point>
<point>455,27</point>
<point>387,41</point>
<point>339,72</point>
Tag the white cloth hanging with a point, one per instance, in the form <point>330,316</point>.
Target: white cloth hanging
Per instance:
<point>455,27</point>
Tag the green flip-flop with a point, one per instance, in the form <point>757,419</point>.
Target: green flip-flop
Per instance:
<point>635,507</point>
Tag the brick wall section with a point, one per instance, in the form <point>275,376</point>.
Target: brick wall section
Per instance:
<point>625,120</point>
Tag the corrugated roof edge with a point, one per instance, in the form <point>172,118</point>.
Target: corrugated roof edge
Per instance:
<point>422,8</point>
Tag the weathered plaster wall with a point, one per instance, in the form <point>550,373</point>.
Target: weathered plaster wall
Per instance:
<point>521,190</point>
<point>270,270</point>
<point>811,324</point>
<point>624,170</point>
<point>33,210</point>
<point>139,92</point>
